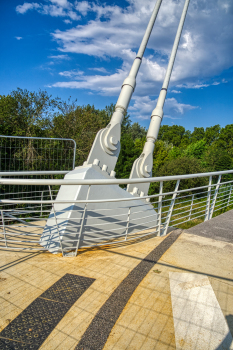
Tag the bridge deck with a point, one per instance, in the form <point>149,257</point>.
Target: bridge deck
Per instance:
<point>173,292</point>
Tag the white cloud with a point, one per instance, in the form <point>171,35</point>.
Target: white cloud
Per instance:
<point>99,69</point>
<point>60,57</point>
<point>57,8</point>
<point>143,106</point>
<point>196,86</point>
<point>115,33</point>
<point>204,51</point>
<point>83,7</point>
<point>72,73</point>
<point>176,92</point>
<point>67,21</point>
<point>62,3</point>
<point>18,37</point>
<point>26,6</point>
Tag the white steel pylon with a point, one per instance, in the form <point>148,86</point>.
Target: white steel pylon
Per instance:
<point>69,224</point>
<point>142,166</point>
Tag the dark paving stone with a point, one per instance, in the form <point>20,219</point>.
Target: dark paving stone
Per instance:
<point>219,228</point>
<point>99,329</point>
<point>68,288</point>
<point>30,328</point>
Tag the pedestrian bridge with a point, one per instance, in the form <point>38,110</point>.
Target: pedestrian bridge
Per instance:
<point>162,292</point>
<point>127,272</point>
<point>63,215</point>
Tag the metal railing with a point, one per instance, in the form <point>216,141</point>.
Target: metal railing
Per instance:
<point>24,218</point>
<point>21,153</point>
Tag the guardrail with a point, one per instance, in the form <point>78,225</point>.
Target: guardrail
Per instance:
<point>24,215</point>
<point>24,153</point>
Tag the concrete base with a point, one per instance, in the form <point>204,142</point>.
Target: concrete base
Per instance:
<point>102,221</point>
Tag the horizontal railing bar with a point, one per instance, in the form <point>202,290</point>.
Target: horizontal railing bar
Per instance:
<point>196,217</point>
<point>111,181</point>
<point>187,211</point>
<point>40,172</point>
<point>36,138</point>
<point>187,215</point>
<point>26,248</point>
<point>137,237</point>
<point>104,200</point>
<point>221,204</point>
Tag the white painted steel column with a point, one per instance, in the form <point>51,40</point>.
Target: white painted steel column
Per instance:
<point>207,211</point>
<point>41,206</point>
<point>215,198</point>
<point>160,206</point>
<point>142,166</point>
<point>106,146</point>
<point>55,217</point>
<point>169,214</point>
<point>229,196</point>
<point>191,207</point>
<point>127,226</point>
<point>82,223</point>
<point>4,229</point>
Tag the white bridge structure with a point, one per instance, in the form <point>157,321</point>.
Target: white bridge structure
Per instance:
<point>89,207</point>
<point>91,222</point>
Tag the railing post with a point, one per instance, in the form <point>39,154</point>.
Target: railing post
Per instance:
<point>207,211</point>
<point>50,192</point>
<point>127,226</point>
<point>160,206</point>
<point>41,206</point>
<point>3,225</point>
<point>191,207</point>
<point>229,196</point>
<point>82,223</point>
<point>169,214</point>
<point>215,197</point>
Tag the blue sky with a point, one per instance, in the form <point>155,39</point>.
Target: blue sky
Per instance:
<point>84,49</point>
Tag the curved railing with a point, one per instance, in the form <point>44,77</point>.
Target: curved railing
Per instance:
<point>24,214</point>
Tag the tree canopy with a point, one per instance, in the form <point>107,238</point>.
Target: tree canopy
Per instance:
<point>177,150</point>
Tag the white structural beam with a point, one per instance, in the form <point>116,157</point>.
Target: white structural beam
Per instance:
<point>106,146</point>
<point>142,167</point>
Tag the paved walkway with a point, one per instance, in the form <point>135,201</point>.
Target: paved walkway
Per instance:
<point>219,228</point>
<point>173,292</point>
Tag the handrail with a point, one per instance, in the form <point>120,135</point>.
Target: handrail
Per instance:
<point>106,181</point>
<point>51,201</point>
<point>22,173</point>
<point>111,219</point>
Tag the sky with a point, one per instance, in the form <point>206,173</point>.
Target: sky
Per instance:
<point>84,50</point>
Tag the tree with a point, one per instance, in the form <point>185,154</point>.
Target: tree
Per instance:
<point>198,134</point>
<point>137,131</point>
<point>212,134</point>
<point>179,166</point>
<point>24,113</point>
<point>174,134</point>
<point>196,149</point>
<point>80,124</point>
<point>225,140</point>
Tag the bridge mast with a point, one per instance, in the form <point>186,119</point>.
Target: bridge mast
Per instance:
<point>106,146</point>
<point>142,166</point>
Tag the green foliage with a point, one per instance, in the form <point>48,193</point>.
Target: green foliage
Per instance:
<point>177,151</point>
<point>80,124</point>
<point>24,113</point>
<point>195,150</point>
<point>179,166</point>
<point>137,131</point>
<point>212,134</point>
